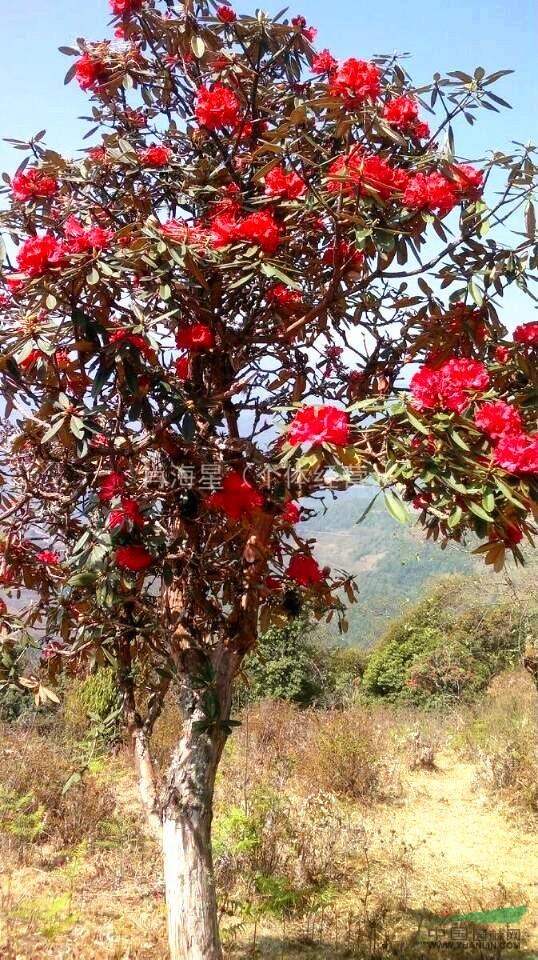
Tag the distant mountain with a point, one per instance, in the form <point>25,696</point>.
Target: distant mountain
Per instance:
<point>392,562</point>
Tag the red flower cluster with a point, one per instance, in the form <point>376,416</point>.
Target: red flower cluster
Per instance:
<point>359,173</point>
<point>304,570</point>
<point>84,239</point>
<point>527,333</point>
<point>226,15</point>
<point>135,557</point>
<point>278,183</point>
<point>402,113</point>
<point>182,367</point>
<point>238,497</point>
<point>432,192</point>
<point>50,557</point>
<point>286,299</point>
<point>124,8</point>
<point>135,340</point>
<point>154,156</point>
<point>89,71</point>
<point>349,256</point>
<point>38,254</point>
<point>181,232</point>
<point>32,184</point>
<point>197,336</point>
<point>317,425</point>
<point>217,107</point>
<point>517,453</point>
<point>125,517</point>
<point>355,81</point>
<point>291,513</point>
<point>435,192</point>
<point>498,419</point>
<point>309,32</point>
<point>111,486</point>
<point>258,228</point>
<point>451,386</point>
<point>324,62</point>
<point>502,354</point>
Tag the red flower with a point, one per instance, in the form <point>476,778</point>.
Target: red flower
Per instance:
<point>32,358</point>
<point>262,229</point>
<point>362,172</point>
<point>469,181</point>
<point>154,156</point>
<point>278,183</point>
<point>124,8</point>
<point>292,513</point>
<point>134,558</point>
<point>304,570</point>
<point>286,299</point>
<point>182,368</point>
<point>111,486</point>
<point>517,453</point>
<point>324,62</point>
<point>225,14</point>
<point>309,32</point>
<point>430,191</point>
<point>134,340</point>
<point>502,354</point>
<point>224,229</point>
<point>527,333</point>
<point>3,607</point>
<point>84,239</point>
<point>498,419</point>
<point>181,232</point>
<point>402,113</point>
<point>37,254</point>
<point>89,71</point>
<point>356,81</point>
<point>32,184</point>
<point>349,256</point>
<point>198,336</point>
<point>272,583</point>
<point>317,425</point>
<point>449,387</point>
<point>50,557</point>
<point>217,107</point>
<point>237,498</point>
<point>126,516</point>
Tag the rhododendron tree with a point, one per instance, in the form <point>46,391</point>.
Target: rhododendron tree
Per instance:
<point>269,277</point>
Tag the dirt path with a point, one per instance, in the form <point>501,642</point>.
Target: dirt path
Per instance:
<point>467,853</point>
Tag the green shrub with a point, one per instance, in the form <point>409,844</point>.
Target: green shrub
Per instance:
<point>284,666</point>
<point>448,647</point>
<point>92,705</point>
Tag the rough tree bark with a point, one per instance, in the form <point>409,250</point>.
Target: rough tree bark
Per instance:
<point>187,811</point>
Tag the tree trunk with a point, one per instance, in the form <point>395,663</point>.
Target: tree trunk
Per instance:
<point>187,811</point>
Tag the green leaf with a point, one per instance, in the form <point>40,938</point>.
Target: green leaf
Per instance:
<point>270,270</point>
<point>395,507</point>
<point>197,47</point>
<point>479,511</point>
<point>417,424</point>
<point>53,430</point>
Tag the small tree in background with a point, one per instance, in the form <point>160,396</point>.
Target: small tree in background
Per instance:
<point>245,249</point>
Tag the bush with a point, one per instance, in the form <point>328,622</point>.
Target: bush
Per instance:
<point>45,795</point>
<point>500,736</point>
<point>284,666</point>
<point>93,705</point>
<point>447,647</point>
<point>348,754</point>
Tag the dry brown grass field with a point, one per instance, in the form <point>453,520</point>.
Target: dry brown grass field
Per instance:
<point>336,834</point>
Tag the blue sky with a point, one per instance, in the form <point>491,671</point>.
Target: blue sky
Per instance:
<point>453,35</point>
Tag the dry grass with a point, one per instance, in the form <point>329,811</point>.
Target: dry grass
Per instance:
<point>311,859</point>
